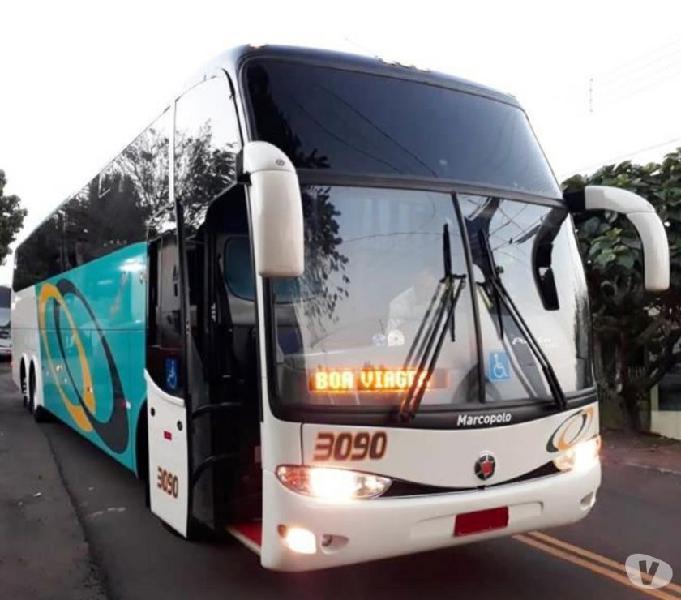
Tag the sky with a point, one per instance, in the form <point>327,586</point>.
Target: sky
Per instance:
<point>600,80</point>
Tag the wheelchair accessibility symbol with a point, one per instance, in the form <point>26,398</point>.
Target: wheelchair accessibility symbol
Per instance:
<point>498,366</point>
<point>172,379</point>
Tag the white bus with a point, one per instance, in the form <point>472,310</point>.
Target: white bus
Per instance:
<point>5,340</point>
<point>331,305</point>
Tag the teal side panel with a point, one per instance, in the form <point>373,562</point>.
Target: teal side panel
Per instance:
<point>92,322</point>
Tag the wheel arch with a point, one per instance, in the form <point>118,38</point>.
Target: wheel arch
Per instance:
<point>22,371</point>
<point>142,444</point>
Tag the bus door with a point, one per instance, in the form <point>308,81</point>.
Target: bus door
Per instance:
<point>168,476</point>
<point>222,359</point>
<point>197,390</point>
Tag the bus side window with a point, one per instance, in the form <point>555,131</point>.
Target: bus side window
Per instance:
<point>40,255</point>
<point>165,335</point>
<point>207,141</point>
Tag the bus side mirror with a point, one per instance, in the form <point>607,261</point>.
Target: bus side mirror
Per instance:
<point>276,210</point>
<point>642,215</point>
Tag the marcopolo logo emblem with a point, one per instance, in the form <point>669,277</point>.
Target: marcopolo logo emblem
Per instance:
<point>648,572</point>
<point>485,466</point>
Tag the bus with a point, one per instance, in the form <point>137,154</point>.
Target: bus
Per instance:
<point>330,305</point>
<point>5,340</point>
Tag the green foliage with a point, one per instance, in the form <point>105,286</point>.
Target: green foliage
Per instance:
<point>636,332</point>
<point>11,218</point>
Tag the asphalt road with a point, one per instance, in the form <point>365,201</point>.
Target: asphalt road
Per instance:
<point>73,525</point>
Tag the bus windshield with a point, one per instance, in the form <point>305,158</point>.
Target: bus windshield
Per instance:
<point>354,327</point>
<point>397,283</point>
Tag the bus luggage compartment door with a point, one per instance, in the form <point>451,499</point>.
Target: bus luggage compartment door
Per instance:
<point>168,458</point>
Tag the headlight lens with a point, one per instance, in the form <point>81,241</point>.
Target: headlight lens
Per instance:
<point>581,457</point>
<point>327,483</point>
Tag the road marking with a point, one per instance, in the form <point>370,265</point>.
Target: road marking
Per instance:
<point>586,559</point>
<point>608,562</point>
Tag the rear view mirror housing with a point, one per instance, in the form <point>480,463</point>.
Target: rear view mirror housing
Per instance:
<point>276,210</point>
<point>644,218</point>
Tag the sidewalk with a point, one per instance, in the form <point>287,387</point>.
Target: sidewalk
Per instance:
<point>644,450</point>
<point>43,550</point>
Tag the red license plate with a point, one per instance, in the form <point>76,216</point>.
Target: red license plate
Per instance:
<point>481,521</point>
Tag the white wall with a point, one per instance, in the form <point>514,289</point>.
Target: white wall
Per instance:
<point>664,422</point>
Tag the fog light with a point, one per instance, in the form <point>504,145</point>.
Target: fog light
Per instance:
<point>298,539</point>
<point>581,457</point>
<point>326,483</point>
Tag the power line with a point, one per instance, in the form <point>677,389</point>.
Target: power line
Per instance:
<point>622,157</point>
<point>630,66</point>
<point>626,79</point>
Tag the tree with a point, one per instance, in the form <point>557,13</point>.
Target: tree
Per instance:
<point>636,333</point>
<point>11,218</point>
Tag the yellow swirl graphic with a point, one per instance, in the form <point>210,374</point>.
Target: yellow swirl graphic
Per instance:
<point>50,292</point>
<point>571,430</point>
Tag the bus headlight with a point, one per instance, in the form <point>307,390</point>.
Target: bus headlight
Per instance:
<point>332,484</point>
<point>581,457</point>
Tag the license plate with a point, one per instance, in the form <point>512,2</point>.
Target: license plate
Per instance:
<point>481,521</point>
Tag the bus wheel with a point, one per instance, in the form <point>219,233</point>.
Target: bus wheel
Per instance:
<point>40,415</point>
<point>24,386</point>
<point>31,390</point>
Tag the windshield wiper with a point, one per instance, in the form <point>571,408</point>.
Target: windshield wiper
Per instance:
<point>502,293</point>
<point>427,344</point>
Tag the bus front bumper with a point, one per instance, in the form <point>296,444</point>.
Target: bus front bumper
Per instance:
<point>371,529</point>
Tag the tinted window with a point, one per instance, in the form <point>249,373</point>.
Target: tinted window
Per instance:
<point>5,296</point>
<point>116,207</point>
<point>365,124</point>
<point>112,211</point>
<point>239,273</point>
<point>165,334</point>
<point>206,144</point>
<point>5,299</point>
<point>40,256</point>
<point>238,268</point>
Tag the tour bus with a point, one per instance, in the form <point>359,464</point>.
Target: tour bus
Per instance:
<point>331,305</point>
<point>5,340</point>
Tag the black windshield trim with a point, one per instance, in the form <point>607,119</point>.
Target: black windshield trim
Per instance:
<point>380,69</point>
<point>397,72</point>
<point>434,417</point>
<point>426,184</point>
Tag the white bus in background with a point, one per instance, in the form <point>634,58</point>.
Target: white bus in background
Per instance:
<point>5,333</point>
<point>331,305</point>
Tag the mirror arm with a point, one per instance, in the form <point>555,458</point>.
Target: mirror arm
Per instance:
<point>643,217</point>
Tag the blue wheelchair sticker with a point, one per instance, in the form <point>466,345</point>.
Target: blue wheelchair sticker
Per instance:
<point>171,370</point>
<point>498,366</point>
